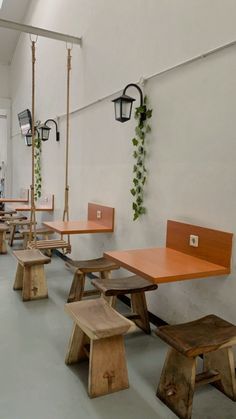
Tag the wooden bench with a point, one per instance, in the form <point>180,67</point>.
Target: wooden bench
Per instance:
<point>30,276</point>
<point>14,223</point>
<point>136,287</point>
<point>7,212</point>
<point>98,334</point>
<point>41,231</point>
<point>209,336</point>
<point>3,246</point>
<point>50,245</point>
<point>80,269</point>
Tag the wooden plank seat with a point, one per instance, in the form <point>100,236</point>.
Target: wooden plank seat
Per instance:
<point>98,334</point>
<point>136,287</point>
<point>3,246</point>
<point>209,336</point>
<point>81,268</point>
<point>14,223</point>
<point>30,276</point>
<point>40,231</point>
<point>50,245</point>
<point>7,212</point>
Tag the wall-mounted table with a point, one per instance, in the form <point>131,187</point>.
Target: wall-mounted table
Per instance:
<point>178,260</point>
<point>100,219</point>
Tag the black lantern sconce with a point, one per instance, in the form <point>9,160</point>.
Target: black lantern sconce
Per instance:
<point>123,104</point>
<point>44,130</point>
<point>28,137</point>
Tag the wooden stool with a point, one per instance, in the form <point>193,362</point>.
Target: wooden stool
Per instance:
<point>30,277</point>
<point>97,334</point>
<point>3,246</point>
<point>211,336</point>
<point>15,222</point>
<point>136,287</point>
<point>82,267</point>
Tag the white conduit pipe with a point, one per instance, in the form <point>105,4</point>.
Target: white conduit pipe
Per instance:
<point>160,73</point>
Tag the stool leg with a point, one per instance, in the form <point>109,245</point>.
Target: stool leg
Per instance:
<point>77,287</point>
<point>3,248</point>
<point>107,366</point>
<point>75,351</point>
<point>139,306</point>
<point>177,383</point>
<point>18,284</point>
<point>12,235</point>
<point>34,283</point>
<point>223,361</point>
<point>25,240</point>
<point>112,298</point>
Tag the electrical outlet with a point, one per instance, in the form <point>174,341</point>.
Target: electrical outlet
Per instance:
<point>193,240</point>
<point>99,214</point>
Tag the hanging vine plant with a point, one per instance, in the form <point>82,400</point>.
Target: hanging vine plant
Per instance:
<point>142,115</point>
<point>37,169</point>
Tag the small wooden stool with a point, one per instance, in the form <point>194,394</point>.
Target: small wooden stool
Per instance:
<point>3,246</point>
<point>82,267</point>
<point>30,276</point>
<point>14,222</point>
<point>97,334</point>
<point>136,287</point>
<point>211,336</point>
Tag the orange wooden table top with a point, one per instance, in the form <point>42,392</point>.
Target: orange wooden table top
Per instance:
<point>100,220</point>
<point>77,227</point>
<point>178,260</point>
<point>162,265</point>
<point>28,208</point>
<point>13,200</point>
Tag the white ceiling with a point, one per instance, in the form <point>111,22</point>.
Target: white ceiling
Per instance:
<point>11,10</point>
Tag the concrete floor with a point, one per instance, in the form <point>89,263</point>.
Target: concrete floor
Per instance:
<point>36,384</point>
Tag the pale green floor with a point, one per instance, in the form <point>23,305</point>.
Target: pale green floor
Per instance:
<point>36,384</point>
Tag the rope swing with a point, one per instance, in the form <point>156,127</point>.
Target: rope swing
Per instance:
<point>33,211</point>
<point>50,244</point>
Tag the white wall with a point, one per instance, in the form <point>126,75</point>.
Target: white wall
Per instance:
<point>192,148</point>
<point>4,81</point>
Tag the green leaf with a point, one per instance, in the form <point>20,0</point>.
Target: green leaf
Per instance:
<point>135,169</point>
<point>133,191</point>
<point>135,141</point>
<point>134,206</point>
<point>135,181</point>
<point>135,154</point>
<point>136,215</point>
<point>144,180</point>
<point>148,129</point>
<point>149,113</point>
<point>139,200</point>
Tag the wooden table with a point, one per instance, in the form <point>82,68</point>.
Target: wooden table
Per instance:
<point>105,224</point>
<point>178,260</point>
<point>24,197</point>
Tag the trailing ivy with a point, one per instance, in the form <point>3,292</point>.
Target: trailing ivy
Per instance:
<point>37,169</point>
<point>142,114</point>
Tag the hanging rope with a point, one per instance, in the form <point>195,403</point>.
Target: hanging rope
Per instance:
<point>66,202</point>
<point>32,211</point>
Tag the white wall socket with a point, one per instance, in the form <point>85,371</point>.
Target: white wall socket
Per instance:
<point>99,214</point>
<point>193,240</point>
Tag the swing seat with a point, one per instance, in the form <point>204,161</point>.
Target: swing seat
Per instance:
<point>50,245</point>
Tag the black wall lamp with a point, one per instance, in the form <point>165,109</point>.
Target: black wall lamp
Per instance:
<point>44,130</point>
<point>123,104</point>
<point>28,137</point>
